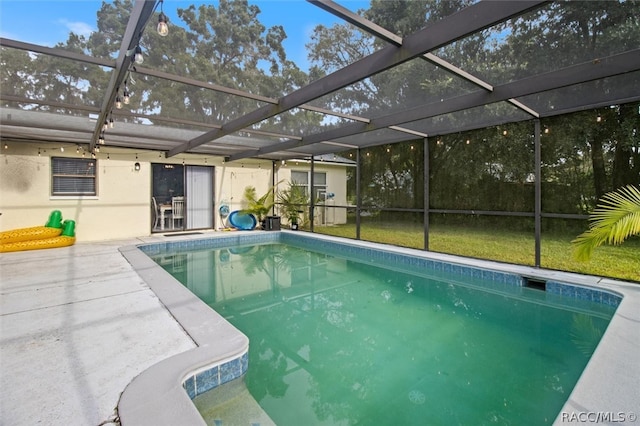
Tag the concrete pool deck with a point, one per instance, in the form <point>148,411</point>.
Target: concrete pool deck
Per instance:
<point>78,324</point>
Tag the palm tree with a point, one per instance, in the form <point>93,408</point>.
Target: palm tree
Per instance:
<point>616,218</point>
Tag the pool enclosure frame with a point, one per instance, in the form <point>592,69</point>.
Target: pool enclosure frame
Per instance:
<point>238,138</point>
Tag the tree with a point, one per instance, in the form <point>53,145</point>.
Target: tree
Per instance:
<point>616,218</point>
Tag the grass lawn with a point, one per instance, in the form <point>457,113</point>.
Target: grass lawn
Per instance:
<point>621,262</point>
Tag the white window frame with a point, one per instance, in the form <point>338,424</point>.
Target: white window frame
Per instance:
<point>86,168</point>
<point>318,189</point>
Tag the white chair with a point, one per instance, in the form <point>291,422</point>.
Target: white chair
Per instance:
<point>177,210</point>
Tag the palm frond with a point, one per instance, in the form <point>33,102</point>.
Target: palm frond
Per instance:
<point>616,218</point>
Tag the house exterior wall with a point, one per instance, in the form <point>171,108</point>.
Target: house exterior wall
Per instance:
<point>122,207</point>
<point>336,183</point>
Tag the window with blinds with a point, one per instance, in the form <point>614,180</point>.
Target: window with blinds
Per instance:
<point>302,178</point>
<point>73,176</point>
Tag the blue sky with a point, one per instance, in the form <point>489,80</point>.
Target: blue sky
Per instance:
<point>47,22</point>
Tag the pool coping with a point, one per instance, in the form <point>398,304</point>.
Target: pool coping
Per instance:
<point>607,388</point>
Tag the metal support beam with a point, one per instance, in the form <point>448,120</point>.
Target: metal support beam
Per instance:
<point>386,35</point>
<point>538,189</point>
<point>466,22</point>
<point>142,11</point>
<point>593,70</point>
<point>59,53</point>
<point>358,192</point>
<point>426,193</point>
<point>312,202</point>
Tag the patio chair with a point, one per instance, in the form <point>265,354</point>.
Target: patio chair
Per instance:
<point>177,210</point>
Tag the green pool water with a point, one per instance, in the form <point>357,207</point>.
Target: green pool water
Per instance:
<point>337,341</point>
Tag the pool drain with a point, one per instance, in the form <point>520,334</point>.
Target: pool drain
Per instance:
<point>417,397</point>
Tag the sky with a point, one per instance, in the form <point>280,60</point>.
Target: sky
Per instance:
<point>47,22</point>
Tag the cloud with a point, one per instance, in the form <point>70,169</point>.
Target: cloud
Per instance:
<point>79,28</point>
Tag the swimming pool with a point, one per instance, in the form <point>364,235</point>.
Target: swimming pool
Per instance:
<point>473,289</point>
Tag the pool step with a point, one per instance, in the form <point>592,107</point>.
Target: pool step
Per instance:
<point>231,405</point>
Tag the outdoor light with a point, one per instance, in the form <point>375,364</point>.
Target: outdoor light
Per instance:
<point>136,167</point>
<point>118,102</point>
<point>105,126</point>
<point>6,146</point>
<point>137,57</point>
<point>125,96</point>
<point>598,118</point>
<point>62,149</point>
<point>111,123</point>
<point>163,28</point>
<point>101,139</point>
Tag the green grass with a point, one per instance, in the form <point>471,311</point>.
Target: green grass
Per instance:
<point>621,262</point>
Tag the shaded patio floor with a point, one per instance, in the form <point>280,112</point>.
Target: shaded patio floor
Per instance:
<point>77,324</point>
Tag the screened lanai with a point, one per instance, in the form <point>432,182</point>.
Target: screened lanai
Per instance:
<point>519,112</point>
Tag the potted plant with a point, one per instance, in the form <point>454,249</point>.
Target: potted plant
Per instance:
<point>293,201</point>
<point>259,207</point>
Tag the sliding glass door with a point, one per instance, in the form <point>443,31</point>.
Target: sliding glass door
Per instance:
<point>182,197</point>
<point>199,198</point>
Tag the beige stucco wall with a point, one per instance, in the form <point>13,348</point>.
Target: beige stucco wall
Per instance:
<point>122,207</point>
<point>336,183</point>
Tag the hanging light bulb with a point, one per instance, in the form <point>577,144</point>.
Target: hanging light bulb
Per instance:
<point>138,58</point>
<point>61,148</point>
<point>101,139</point>
<point>125,96</point>
<point>111,123</point>
<point>163,27</point>
<point>105,126</point>
<point>118,102</point>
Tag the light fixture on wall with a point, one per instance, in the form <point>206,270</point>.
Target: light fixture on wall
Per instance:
<point>163,27</point>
